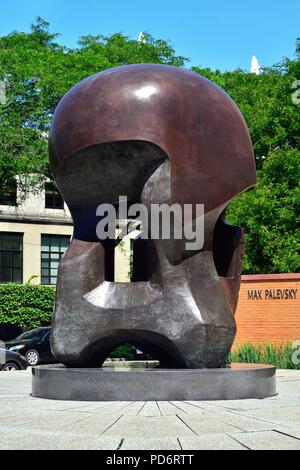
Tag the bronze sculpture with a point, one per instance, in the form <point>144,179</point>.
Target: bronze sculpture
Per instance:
<point>155,134</point>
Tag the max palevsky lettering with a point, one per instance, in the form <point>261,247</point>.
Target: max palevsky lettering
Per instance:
<point>272,294</point>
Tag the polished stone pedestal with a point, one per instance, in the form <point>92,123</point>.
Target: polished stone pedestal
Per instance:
<point>238,381</point>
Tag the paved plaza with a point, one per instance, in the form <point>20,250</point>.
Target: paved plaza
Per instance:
<point>33,423</point>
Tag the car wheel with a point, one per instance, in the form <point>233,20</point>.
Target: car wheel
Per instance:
<point>9,366</point>
<point>32,357</point>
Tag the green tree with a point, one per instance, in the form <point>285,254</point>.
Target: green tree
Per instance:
<point>266,103</point>
<point>269,214</point>
<point>37,72</point>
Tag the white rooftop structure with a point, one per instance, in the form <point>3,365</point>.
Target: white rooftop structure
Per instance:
<point>255,67</point>
<point>141,37</point>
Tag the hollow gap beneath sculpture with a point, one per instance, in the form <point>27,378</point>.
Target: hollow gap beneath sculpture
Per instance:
<point>128,352</point>
<point>153,344</point>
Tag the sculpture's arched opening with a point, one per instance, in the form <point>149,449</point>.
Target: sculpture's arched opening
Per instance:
<point>109,171</point>
<point>100,175</point>
<point>157,346</point>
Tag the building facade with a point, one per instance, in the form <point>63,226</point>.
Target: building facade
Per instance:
<point>35,230</point>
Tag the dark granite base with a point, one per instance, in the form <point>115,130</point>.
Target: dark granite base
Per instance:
<point>239,381</point>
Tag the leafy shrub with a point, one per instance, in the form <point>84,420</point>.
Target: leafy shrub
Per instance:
<point>26,305</point>
<point>125,351</point>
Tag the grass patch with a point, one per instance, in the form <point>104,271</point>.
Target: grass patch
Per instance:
<point>283,356</point>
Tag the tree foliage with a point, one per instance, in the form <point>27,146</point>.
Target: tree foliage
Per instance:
<point>37,71</point>
<point>266,103</point>
<point>269,214</point>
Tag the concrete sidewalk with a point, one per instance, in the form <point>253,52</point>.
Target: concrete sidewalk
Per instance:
<point>33,423</point>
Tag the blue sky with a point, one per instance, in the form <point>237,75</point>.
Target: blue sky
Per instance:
<point>217,34</point>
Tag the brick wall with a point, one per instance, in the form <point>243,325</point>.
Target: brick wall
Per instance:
<point>268,309</point>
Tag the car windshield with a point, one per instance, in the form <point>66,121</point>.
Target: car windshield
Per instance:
<point>33,334</point>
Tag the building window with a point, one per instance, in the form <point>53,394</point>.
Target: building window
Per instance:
<point>52,249</point>
<point>11,257</point>
<point>8,194</point>
<point>53,199</point>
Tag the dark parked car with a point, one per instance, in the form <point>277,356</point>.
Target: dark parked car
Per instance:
<point>10,360</point>
<point>34,345</point>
